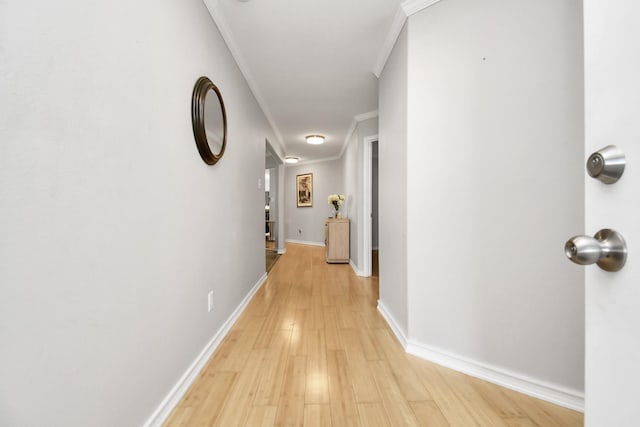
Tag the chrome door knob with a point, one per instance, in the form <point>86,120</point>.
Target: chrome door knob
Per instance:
<point>607,249</point>
<point>607,164</point>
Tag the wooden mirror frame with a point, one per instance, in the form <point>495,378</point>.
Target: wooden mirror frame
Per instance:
<point>200,91</point>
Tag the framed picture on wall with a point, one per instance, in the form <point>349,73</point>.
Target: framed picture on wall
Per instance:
<point>304,190</point>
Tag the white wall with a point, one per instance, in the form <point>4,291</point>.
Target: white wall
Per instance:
<point>494,162</point>
<point>392,151</point>
<point>112,229</point>
<point>307,224</point>
<point>352,173</point>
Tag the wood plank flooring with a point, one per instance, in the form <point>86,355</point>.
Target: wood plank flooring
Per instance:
<point>312,350</point>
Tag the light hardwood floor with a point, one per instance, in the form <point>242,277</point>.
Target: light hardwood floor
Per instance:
<point>311,349</point>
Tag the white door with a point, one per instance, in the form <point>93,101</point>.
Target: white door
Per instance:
<point>612,116</point>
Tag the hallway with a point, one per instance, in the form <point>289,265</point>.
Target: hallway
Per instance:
<point>311,349</point>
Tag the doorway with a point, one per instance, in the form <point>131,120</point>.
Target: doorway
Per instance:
<point>374,208</point>
<point>271,255</point>
<point>369,216</point>
<point>272,166</point>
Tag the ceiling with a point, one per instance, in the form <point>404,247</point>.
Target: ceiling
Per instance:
<point>310,63</point>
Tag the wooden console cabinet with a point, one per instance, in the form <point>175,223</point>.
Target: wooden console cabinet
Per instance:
<point>336,240</point>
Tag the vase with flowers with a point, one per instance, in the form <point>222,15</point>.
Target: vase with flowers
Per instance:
<point>336,200</point>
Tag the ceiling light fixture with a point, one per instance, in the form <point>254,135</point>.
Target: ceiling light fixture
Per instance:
<point>314,139</point>
<point>291,159</point>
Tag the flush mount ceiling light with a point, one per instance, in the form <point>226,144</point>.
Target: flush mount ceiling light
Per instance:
<point>314,139</point>
<point>291,159</point>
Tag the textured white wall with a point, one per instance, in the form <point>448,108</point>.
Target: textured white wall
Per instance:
<point>112,229</point>
<point>307,224</point>
<point>392,151</point>
<point>495,168</point>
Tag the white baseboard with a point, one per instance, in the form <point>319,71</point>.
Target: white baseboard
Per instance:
<point>282,251</point>
<point>553,393</point>
<point>355,269</point>
<point>393,324</point>
<point>304,242</point>
<point>163,411</point>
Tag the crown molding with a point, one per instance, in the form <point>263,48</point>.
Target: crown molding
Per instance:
<point>390,41</point>
<point>309,162</point>
<point>406,9</point>
<point>227,35</point>
<point>352,128</point>
<point>345,144</point>
<point>366,116</point>
<point>413,6</point>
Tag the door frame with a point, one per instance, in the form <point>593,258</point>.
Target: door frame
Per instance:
<point>279,196</point>
<point>367,184</point>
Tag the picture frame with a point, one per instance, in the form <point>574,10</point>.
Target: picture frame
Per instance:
<point>304,190</point>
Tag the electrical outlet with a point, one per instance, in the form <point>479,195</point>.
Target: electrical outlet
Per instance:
<point>209,301</point>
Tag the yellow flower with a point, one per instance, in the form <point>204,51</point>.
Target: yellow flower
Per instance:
<point>336,199</point>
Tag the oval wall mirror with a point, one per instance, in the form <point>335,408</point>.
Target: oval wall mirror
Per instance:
<point>209,119</point>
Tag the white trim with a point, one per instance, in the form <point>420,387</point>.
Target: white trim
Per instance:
<point>304,242</point>
<point>163,411</point>
<point>280,229</point>
<point>308,162</point>
<point>352,128</point>
<point>556,394</point>
<point>227,35</point>
<point>553,393</point>
<point>282,251</point>
<point>406,9</point>
<point>272,150</point>
<point>366,116</point>
<point>389,42</point>
<point>393,324</point>
<point>367,158</point>
<point>278,179</point>
<point>414,6</point>
<point>354,267</point>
